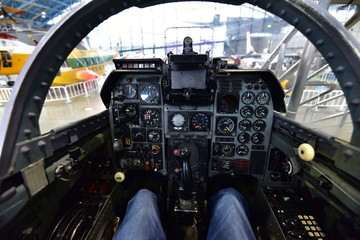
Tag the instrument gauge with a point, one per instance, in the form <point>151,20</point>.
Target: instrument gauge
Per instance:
<point>245,125</point>
<point>130,110</point>
<point>259,125</point>
<point>261,112</point>
<point>150,118</point>
<point>243,137</point>
<point>263,98</point>
<point>129,91</point>
<point>178,121</point>
<point>154,136</point>
<point>257,138</point>
<point>149,94</point>
<point>200,122</point>
<point>226,126</point>
<point>248,97</point>
<point>242,150</point>
<point>246,112</point>
<point>228,150</point>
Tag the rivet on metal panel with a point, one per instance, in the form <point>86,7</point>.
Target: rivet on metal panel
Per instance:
<point>27,132</point>
<point>308,31</point>
<point>268,6</point>
<point>25,149</point>
<point>112,10</point>
<point>355,101</point>
<point>51,70</point>
<point>44,84</point>
<point>320,42</point>
<point>31,114</point>
<point>68,45</point>
<point>100,17</point>
<point>59,57</point>
<point>89,26</point>
<point>37,99</point>
<point>340,69</point>
<point>78,35</point>
<point>330,55</point>
<point>124,4</point>
<point>349,84</point>
<point>296,21</point>
<point>41,144</point>
<point>282,12</point>
<point>348,153</point>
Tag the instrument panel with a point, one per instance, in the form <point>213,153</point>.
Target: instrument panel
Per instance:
<point>229,135</point>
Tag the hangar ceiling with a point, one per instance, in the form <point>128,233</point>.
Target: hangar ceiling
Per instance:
<point>38,12</point>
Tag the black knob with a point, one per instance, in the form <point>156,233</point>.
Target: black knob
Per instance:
<point>139,137</point>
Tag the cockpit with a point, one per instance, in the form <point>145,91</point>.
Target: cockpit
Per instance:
<point>184,126</point>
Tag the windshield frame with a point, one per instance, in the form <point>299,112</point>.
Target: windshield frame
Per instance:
<point>20,122</point>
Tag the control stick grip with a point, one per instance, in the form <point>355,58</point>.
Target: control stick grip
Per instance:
<point>186,181</point>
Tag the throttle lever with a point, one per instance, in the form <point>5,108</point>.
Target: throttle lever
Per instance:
<point>186,181</point>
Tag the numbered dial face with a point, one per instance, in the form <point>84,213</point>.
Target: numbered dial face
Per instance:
<point>246,112</point>
<point>129,91</point>
<point>226,126</point>
<point>243,137</point>
<point>248,97</point>
<point>228,150</point>
<point>263,98</point>
<point>259,125</point>
<point>154,136</point>
<point>257,138</point>
<point>149,94</point>
<point>242,150</point>
<point>245,125</point>
<point>261,112</point>
<point>130,110</point>
<point>150,117</point>
<point>200,122</point>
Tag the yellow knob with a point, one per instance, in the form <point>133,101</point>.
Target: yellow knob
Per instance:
<point>306,152</point>
<point>119,177</point>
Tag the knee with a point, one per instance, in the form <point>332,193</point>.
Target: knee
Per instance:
<point>144,196</point>
<point>231,198</point>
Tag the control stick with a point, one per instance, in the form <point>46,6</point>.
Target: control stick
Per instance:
<point>186,181</point>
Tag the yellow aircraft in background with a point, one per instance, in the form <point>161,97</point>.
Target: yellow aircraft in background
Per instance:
<point>82,64</point>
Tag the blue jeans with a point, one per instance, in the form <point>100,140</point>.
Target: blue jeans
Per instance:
<point>228,209</point>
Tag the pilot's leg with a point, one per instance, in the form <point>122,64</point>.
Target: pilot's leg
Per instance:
<point>142,218</point>
<point>229,216</point>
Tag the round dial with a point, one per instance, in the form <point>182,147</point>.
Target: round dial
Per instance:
<point>178,120</point>
<point>259,125</point>
<point>245,125</point>
<point>154,136</point>
<point>150,117</point>
<point>261,112</point>
<point>228,150</point>
<point>149,94</point>
<point>226,126</point>
<point>246,112</point>
<point>243,137</point>
<point>257,138</point>
<point>263,98</point>
<point>242,150</point>
<point>129,91</point>
<point>200,122</point>
<point>130,110</point>
<point>248,97</point>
